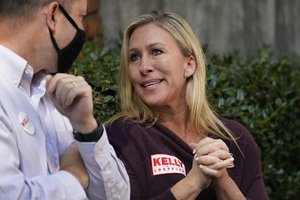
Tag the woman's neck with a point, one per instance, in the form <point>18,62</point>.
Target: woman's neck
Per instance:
<point>178,122</point>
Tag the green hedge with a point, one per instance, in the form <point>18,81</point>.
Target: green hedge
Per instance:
<point>261,92</point>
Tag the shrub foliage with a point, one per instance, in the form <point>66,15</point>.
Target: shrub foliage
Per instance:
<point>262,93</point>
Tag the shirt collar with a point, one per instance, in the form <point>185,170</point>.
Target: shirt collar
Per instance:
<point>13,66</point>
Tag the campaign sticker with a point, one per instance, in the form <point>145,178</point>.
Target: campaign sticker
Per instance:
<point>167,164</point>
<point>26,123</point>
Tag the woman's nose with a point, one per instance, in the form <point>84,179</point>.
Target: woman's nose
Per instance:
<point>145,66</point>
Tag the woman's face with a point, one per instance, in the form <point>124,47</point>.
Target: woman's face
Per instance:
<point>157,67</point>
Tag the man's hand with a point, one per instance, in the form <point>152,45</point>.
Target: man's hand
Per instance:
<point>72,162</point>
<point>72,96</point>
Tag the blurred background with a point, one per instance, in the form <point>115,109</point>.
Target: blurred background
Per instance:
<point>225,25</point>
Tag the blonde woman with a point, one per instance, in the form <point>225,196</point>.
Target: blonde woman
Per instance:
<point>172,144</point>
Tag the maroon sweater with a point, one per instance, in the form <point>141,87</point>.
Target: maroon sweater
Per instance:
<point>156,159</point>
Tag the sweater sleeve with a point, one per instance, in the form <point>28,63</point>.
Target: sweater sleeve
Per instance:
<point>253,184</point>
<point>251,180</point>
<point>137,193</point>
<point>127,148</point>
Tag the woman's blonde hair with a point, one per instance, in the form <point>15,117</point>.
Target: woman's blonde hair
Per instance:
<point>202,118</point>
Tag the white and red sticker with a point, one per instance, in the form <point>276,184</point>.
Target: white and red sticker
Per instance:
<point>166,164</point>
<point>26,122</point>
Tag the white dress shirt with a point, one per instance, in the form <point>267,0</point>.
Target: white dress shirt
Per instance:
<point>33,135</point>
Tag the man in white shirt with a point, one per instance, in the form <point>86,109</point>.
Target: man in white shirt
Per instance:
<point>40,114</point>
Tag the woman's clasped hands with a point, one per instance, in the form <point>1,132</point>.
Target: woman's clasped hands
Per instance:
<point>213,158</point>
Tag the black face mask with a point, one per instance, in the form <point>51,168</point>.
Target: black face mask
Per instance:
<point>68,54</point>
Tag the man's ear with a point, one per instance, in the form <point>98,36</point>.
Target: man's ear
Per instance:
<point>50,12</point>
<point>190,66</point>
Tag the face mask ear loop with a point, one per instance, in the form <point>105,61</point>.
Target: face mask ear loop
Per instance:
<point>53,40</point>
<point>68,17</point>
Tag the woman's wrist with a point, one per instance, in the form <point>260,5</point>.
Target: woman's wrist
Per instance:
<point>220,183</point>
<point>226,189</point>
<point>186,188</point>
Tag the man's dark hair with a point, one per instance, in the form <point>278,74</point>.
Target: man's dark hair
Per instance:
<point>23,8</point>
<point>20,8</point>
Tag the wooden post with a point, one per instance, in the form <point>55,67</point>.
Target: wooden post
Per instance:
<point>93,24</point>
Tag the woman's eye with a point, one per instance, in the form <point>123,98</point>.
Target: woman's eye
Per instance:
<point>133,57</point>
<point>156,52</point>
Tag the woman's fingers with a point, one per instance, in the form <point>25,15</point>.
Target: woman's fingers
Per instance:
<point>208,145</point>
<point>218,168</point>
<point>214,162</point>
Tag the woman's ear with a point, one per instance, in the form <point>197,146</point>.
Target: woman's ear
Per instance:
<point>50,12</point>
<point>190,66</point>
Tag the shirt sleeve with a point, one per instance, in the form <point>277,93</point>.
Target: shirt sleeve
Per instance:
<point>108,176</point>
<point>14,184</point>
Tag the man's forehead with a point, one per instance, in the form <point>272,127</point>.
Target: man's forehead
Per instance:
<point>78,6</point>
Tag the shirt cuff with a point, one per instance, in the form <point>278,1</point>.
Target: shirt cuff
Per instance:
<point>73,189</point>
<point>96,153</point>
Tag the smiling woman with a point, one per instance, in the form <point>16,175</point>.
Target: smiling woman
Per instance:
<point>157,68</point>
<point>172,144</point>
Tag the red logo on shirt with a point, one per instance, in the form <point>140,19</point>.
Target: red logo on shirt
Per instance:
<point>166,164</point>
<point>25,121</point>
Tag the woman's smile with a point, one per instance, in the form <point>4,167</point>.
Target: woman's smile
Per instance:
<point>152,84</point>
